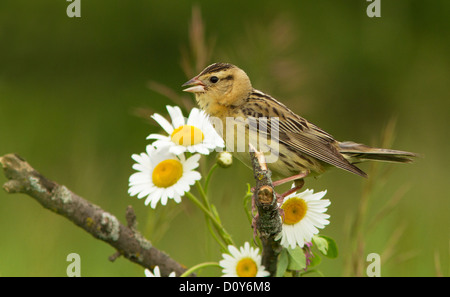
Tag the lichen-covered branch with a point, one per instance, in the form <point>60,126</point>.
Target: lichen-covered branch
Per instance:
<point>22,178</point>
<point>268,221</point>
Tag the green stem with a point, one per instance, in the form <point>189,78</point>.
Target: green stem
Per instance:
<point>203,194</point>
<point>199,266</point>
<point>225,236</point>
<point>248,196</point>
<point>202,207</point>
<point>248,212</point>
<point>214,235</point>
<point>208,178</point>
<point>208,207</point>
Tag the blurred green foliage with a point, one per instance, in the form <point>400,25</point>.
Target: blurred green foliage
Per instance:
<point>75,101</point>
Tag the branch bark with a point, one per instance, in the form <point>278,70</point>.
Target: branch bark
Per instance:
<point>22,178</point>
<point>268,221</point>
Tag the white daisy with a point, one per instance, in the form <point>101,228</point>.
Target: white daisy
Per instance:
<point>196,134</point>
<point>245,262</point>
<point>304,213</point>
<point>162,175</point>
<point>156,273</point>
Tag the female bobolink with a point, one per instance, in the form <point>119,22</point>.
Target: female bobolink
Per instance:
<point>225,92</point>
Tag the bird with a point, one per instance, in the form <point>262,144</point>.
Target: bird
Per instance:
<point>297,147</point>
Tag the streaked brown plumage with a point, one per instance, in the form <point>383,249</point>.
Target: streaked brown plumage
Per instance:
<point>223,90</point>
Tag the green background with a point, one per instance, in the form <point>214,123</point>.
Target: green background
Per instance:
<point>75,101</point>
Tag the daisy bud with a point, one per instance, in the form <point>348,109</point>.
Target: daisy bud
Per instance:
<point>224,159</point>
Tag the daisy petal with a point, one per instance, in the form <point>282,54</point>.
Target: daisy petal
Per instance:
<point>162,175</point>
<point>243,262</point>
<point>176,115</point>
<point>163,123</point>
<point>299,229</point>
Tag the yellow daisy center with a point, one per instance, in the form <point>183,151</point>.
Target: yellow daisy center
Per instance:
<point>246,267</point>
<point>167,173</point>
<point>294,210</point>
<point>187,135</point>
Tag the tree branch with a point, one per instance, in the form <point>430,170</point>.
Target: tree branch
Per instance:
<point>268,221</point>
<point>22,178</point>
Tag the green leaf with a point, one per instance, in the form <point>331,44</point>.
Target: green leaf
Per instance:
<point>321,244</point>
<point>297,259</point>
<point>315,260</point>
<point>311,271</point>
<point>326,245</point>
<point>283,261</point>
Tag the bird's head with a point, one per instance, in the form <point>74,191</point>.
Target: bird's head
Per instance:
<point>219,86</point>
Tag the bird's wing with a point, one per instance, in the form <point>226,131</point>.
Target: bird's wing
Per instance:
<point>298,134</point>
<point>302,136</point>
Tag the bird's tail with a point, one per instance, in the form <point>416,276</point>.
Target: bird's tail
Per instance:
<point>356,152</point>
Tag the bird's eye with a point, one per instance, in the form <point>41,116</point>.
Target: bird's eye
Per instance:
<point>213,79</point>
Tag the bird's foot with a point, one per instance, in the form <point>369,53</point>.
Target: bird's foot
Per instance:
<point>296,177</point>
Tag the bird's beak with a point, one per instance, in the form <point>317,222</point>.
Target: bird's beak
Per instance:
<point>196,86</point>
